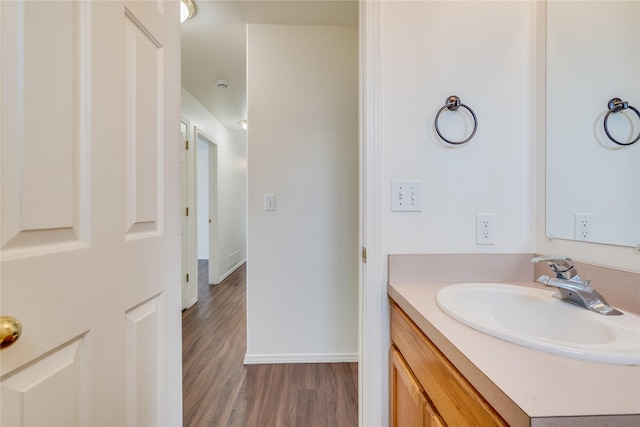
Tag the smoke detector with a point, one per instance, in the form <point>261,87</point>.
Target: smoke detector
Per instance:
<point>222,84</point>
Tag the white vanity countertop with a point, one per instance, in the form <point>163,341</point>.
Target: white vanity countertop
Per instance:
<point>522,383</point>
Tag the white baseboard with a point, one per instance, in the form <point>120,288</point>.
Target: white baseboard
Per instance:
<point>231,270</point>
<point>268,359</point>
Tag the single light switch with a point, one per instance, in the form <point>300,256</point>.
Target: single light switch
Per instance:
<point>269,202</point>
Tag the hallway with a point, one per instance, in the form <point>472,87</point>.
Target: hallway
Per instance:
<point>218,390</point>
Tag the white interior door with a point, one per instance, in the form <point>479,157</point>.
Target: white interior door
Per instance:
<point>90,227</point>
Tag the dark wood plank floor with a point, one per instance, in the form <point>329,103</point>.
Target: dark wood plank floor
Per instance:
<point>218,390</point>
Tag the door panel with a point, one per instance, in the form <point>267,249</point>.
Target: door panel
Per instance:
<point>44,123</point>
<point>142,349</point>
<point>89,122</point>
<point>48,392</point>
<point>144,140</point>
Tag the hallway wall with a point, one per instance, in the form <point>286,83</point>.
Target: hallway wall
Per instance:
<point>302,270</point>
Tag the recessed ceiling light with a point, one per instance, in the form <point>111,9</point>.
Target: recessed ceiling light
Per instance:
<point>187,10</point>
<point>222,84</point>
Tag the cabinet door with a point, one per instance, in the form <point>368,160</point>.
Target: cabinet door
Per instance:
<point>457,402</point>
<point>409,405</point>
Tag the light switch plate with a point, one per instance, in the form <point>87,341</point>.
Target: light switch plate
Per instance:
<point>269,202</point>
<point>406,196</point>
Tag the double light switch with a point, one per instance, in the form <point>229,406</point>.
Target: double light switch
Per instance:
<point>406,196</point>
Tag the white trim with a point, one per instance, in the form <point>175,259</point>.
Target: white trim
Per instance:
<point>374,307</point>
<point>268,359</point>
<point>191,230</point>
<point>230,271</point>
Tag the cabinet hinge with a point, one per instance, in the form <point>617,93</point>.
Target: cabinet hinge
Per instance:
<point>364,255</point>
<point>187,277</point>
<point>186,144</point>
<point>187,211</point>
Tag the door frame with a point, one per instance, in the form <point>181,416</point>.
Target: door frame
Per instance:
<point>189,229</point>
<point>373,351</point>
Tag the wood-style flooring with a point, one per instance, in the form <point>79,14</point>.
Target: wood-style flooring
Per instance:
<point>218,390</point>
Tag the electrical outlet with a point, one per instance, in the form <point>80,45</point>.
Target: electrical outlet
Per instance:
<point>406,196</point>
<point>485,232</point>
<point>582,227</point>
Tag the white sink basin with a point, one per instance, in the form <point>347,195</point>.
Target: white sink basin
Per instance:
<point>533,318</point>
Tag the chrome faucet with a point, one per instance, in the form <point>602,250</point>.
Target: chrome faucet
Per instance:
<point>570,286</point>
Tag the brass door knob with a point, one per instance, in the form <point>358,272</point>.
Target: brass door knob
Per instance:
<point>10,330</point>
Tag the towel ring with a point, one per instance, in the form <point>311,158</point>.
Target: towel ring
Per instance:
<point>615,105</point>
<point>452,104</point>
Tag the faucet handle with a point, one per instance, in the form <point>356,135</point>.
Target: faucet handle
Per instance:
<point>561,265</point>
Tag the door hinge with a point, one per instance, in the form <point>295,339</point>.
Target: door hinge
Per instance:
<point>187,277</point>
<point>187,211</point>
<point>364,255</point>
<point>186,144</point>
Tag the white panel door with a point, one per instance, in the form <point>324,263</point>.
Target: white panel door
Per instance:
<point>90,227</point>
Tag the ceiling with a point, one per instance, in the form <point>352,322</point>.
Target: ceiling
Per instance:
<point>214,45</point>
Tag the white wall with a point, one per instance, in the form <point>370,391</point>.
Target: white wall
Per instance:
<point>232,183</point>
<point>303,141</point>
<point>482,52</point>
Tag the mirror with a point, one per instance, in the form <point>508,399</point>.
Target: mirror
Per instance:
<point>592,183</point>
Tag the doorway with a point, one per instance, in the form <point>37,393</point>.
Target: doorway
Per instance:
<point>207,202</point>
<point>306,202</point>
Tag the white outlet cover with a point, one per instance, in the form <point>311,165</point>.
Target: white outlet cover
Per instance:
<point>485,229</point>
<point>406,196</point>
<point>582,223</point>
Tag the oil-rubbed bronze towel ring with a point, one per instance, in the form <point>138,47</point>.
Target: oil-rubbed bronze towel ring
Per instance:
<point>452,104</point>
<point>615,105</point>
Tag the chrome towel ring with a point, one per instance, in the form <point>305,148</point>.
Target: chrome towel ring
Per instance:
<point>452,104</point>
<point>615,105</point>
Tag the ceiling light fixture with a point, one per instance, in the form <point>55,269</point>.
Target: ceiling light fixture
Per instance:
<point>243,123</point>
<point>222,84</point>
<point>187,10</point>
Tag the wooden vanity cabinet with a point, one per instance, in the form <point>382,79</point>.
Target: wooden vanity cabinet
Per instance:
<point>409,404</point>
<point>425,388</point>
